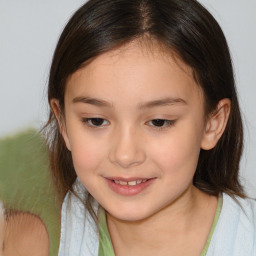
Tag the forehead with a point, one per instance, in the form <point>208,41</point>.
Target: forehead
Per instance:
<point>135,70</point>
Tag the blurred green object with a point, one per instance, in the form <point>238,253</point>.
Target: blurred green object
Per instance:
<point>25,182</point>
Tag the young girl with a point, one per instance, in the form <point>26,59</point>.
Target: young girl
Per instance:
<point>145,133</point>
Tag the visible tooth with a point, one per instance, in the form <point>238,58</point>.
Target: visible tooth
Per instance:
<point>123,182</point>
<point>138,181</point>
<point>144,180</point>
<point>116,181</point>
<point>132,183</point>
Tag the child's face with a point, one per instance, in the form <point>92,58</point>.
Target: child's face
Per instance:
<point>127,91</point>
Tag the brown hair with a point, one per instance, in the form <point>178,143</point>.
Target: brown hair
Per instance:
<point>183,26</point>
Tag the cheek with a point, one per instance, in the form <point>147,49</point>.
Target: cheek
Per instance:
<point>87,154</point>
<point>177,154</point>
<point>87,159</point>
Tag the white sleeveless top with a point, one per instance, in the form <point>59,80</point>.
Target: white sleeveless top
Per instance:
<point>79,235</point>
<point>234,234</point>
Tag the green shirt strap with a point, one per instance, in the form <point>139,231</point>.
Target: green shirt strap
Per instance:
<point>105,244</point>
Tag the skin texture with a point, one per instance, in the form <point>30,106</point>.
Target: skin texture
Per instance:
<point>1,226</point>
<point>25,234</point>
<point>129,144</point>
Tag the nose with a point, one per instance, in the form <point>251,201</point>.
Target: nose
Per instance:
<point>127,149</point>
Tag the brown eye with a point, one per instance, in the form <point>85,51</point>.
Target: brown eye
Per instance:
<point>97,121</point>
<point>161,123</point>
<point>158,122</point>
<point>94,122</point>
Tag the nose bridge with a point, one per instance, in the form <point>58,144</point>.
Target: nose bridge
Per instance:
<point>127,147</point>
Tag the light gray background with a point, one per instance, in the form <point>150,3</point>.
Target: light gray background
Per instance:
<point>28,34</point>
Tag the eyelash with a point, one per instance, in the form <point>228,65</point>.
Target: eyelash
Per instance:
<point>169,123</point>
<point>87,122</point>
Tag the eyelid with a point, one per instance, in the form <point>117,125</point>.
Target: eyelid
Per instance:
<point>170,123</point>
<point>87,120</point>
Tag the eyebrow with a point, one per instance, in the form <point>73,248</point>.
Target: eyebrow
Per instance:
<point>92,101</point>
<point>162,102</point>
<point>155,103</point>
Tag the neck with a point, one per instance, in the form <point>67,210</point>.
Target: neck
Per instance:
<point>171,224</point>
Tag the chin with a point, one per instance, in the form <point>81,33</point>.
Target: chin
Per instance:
<point>129,218</point>
<point>130,215</point>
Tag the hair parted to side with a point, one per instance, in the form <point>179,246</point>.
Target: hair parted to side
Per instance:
<point>183,27</point>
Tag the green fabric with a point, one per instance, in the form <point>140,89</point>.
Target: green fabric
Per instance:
<point>25,180</point>
<point>105,244</point>
<point>216,218</point>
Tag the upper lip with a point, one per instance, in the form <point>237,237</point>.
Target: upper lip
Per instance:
<point>127,179</point>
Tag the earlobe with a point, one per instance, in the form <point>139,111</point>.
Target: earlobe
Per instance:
<point>55,106</point>
<point>216,124</point>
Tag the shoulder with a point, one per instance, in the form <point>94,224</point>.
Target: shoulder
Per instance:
<point>240,214</point>
<point>235,232</point>
<point>25,234</point>
<point>242,208</point>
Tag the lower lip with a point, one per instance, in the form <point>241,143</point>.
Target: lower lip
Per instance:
<point>127,190</point>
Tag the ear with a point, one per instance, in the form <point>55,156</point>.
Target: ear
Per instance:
<point>60,118</point>
<point>216,124</point>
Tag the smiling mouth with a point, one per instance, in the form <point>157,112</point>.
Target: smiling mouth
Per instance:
<point>129,186</point>
<point>130,183</point>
